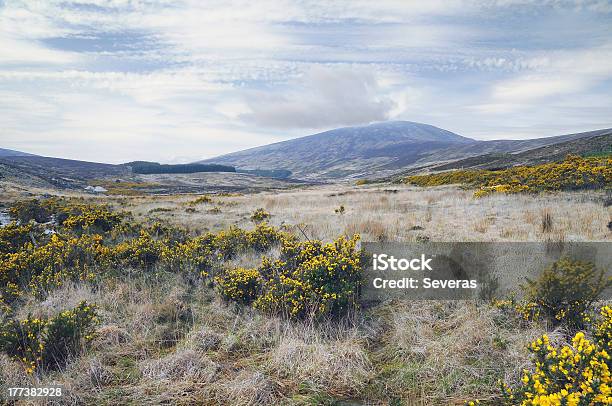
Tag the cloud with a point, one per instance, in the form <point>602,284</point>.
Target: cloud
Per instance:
<point>568,72</point>
<point>322,97</point>
<point>96,78</point>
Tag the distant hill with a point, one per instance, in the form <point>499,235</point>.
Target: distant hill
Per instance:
<point>10,152</point>
<point>589,144</point>
<point>379,150</point>
<point>58,172</point>
<point>346,152</point>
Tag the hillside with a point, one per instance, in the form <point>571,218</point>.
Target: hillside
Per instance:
<point>585,144</point>
<point>381,149</point>
<point>57,173</point>
<point>347,152</point>
<point>9,152</point>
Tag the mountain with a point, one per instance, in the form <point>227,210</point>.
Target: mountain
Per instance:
<point>57,173</point>
<point>591,144</point>
<point>10,152</point>
<point>382,149</point>
<point>347,152</point>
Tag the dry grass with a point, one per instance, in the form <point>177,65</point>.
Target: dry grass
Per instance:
<point>380,213</point>
<point>165,341</point>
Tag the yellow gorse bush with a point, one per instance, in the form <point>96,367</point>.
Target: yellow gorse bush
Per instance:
<point>14,236</point>
<point>240,285</point>
<point>563,294</point>
<point>48,342</point>
<point>310,279</point>
<point>34,261</point>
<point>89,218</point>
<point>259,215</point>
<point>576,374</point>
<point>40,268</point>
<point>142,252</point>
<point>195,254</point>
<point>571,174</point>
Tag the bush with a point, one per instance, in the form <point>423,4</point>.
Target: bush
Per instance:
<point>142,252</point>
<point>571,375</point>
<point>196,254</point>
<point>201,200</point>
<point>311,279</point>
<point>47,266</point>
<point>89,218</point>
<point>230,242</point>
<point>565,291</point>
<point>239,285</point>
<point>260,215</point>
<point>28,210</point>
<point>48,343</point>
<point>263,237</point>
<point>14,237</point>
<point>573,173</point>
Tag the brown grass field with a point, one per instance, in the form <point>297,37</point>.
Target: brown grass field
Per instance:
<point>166,341</point>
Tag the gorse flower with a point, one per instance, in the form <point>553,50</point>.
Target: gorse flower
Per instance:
<point>259,215</point>
<point>312,279</point>
<point>48,342</point>
<point>36,262</point>
<point>571,174</point>
<point>576,374</point>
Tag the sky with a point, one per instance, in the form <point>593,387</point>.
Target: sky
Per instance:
<point>178,81</point>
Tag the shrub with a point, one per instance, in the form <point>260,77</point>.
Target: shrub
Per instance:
<point>48,343</point>
<point>571,375</point>
<point>565,290</point>
<point>28,210</point>
<point>159,230</point>
<point>504,188</point>
<point>339,210</point>
<point>46,266</point>
<point>263,237</point>
<point>259,215</point>
<point>312,279</point>
<point>240,285</point>
<point>14,237</point>
<point>142,252</point>
<point>571,174</point>
<point>201,200</point>
<point>230,242</point>
<point>196,254</point>
<point>89,218</point>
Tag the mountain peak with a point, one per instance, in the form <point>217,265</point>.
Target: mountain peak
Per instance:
<point>347,151</point>
<point>10,153</point>
<point>413,130</point>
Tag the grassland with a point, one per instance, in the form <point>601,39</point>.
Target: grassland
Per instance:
<point>165,339</point>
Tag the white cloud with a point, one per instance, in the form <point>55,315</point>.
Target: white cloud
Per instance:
<point>323,97</point>
<point>567,72</point>
<point>191,78</point>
